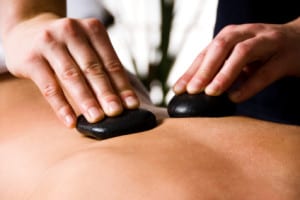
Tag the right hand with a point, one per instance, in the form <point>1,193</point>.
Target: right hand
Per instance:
<point>70,60</point>
<point>244,59</point>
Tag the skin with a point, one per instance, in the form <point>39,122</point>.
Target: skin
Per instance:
<point>190,158</point>
<point>70,60</point>
<point>254,55</point>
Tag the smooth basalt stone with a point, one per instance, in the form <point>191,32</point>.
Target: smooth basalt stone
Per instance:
<point>200,105</point>
<point>130,121</point>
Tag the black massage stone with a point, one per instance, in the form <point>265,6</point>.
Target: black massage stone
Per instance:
<point>130,121</point>
<point>200,105</point>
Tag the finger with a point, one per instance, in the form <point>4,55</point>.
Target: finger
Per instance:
<point>45,79</point>
<point>262,78</point>
<point>181,84</point>
<point>113,67</point>
<point>95,74</point>
<point>69,75</point>
<point>244,53</point>
<point>217,53</point>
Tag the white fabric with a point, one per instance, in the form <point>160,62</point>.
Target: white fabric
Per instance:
<point>85,9</point>
<point>136,33</point>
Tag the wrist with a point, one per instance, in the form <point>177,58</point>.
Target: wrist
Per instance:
<point>14,12</point>
<point>27,22</point>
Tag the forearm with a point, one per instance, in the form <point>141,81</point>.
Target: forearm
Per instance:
<point>13,12</point>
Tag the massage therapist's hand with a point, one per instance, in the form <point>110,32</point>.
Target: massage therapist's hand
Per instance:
<point>74,58</point>
<point>254,54</point>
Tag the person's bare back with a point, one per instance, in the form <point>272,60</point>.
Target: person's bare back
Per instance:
<point>182,158</point>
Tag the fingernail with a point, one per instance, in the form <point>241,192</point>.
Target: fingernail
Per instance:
<point>114,108</point>
<point>94,114</point>
<point>69,120</point>
<point>212,90</point>
<point>195,86</point>
<point>131,102</point>
<point>179,87</point>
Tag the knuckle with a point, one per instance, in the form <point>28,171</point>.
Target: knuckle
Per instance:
<point>114,66</point>
<point>229,28</point>
<point>50,90</point>
<point>45,36</point>
<point>94,25</point>
<point>32,57</point>
<point>93,68</point>
<point>252,26</point>
<point>243,49</point>
<point>70,73</point>
<point>255,26</point>
<point>277,36</point>
<point>68,26</point>
<point>220,42</point>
